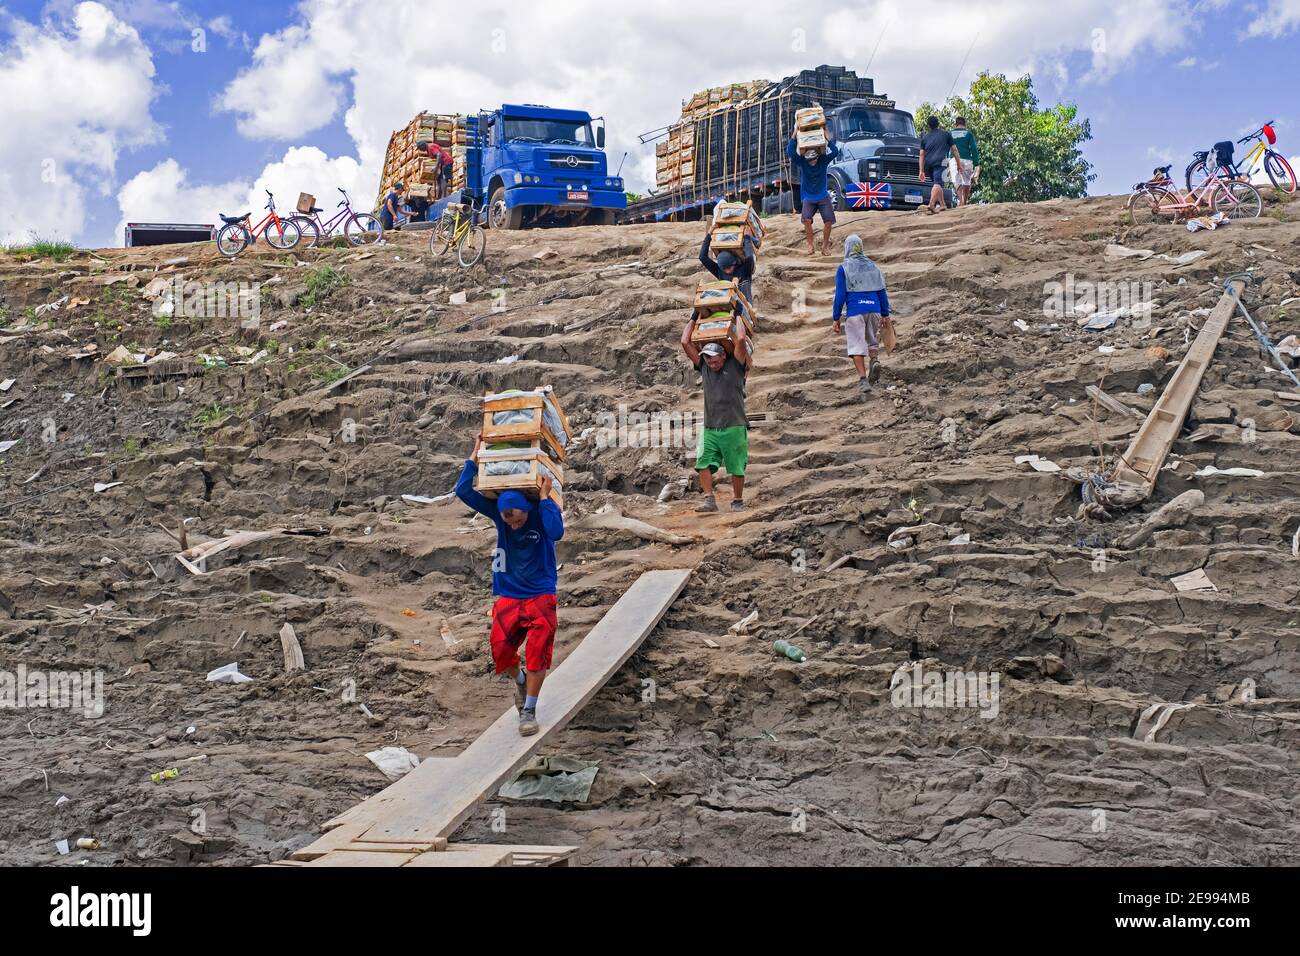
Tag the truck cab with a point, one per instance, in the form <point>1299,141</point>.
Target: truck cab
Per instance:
<point>543,166</point>
<point>879,157</point>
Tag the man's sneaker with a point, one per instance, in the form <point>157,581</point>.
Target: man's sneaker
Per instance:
<point>709,504</point>
<point>528,723</point>
<point>873,373</point>
<point>521,696</point>
<point>737,504</point>
<point>864,386</point>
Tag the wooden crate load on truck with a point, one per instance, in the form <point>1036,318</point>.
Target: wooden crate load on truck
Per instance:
<point>718,307</point>
<point>525,435</point>
<point>406,163</point>
<point>732,224</point>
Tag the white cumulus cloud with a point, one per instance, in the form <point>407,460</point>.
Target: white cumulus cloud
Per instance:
<point>77,90</point>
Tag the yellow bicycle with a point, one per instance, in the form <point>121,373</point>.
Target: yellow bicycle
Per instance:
<point>458,227</point>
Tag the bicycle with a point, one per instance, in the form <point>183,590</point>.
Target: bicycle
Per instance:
<point>236,235</point>
<point>458,226</point>
<point>1233,197</point>
<point>1275,165</point>
<point>359,228</point>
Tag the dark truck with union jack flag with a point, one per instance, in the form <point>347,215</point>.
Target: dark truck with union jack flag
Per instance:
<point>738,151</point>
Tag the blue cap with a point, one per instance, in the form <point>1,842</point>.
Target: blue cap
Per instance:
<point>513,500</point>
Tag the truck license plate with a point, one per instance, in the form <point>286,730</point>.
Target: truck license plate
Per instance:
<point>913,197</point>
<point>578,196</point>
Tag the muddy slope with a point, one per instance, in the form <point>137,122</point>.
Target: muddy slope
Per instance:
<point>708,755</point>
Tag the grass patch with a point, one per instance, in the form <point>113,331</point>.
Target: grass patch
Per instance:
<point>211,415</point>
<point>38,248</point>
<point>322,282</point>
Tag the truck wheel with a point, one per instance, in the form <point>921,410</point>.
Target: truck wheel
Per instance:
<point>837,195</point>
<point>499,217</point>
<point>601,217</point>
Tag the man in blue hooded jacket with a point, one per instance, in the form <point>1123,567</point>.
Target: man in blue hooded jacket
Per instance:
<point>524,580</point>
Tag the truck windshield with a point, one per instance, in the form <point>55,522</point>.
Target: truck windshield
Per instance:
<point>565,132</point>
<point>860,124</point>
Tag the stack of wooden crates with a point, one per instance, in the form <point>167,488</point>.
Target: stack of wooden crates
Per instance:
<point>732,224</point>
<point>675,156</point>
<point>810,128</point>
<point>518,419</point>
<point>718,307</point>
<point>406,164</point>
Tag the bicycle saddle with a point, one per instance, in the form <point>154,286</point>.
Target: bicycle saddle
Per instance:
<point>1201,153</point>
<point>315,209</point>
<point>1164,170</point>
<point>231,220</point>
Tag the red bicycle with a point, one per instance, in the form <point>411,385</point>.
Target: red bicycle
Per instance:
<point>237,235</point>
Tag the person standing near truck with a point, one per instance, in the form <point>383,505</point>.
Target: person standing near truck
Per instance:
<point>813,167</point>
<point>967,167</point>
<point>525,584</point>
<point>443,158</point>
<point>392,209</point>
<point>730,266</point>
<point>860,289</point>
<point>935,147</point>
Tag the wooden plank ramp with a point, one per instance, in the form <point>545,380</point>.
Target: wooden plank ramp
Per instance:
<point>1146,454</point>
<point>420,811</point>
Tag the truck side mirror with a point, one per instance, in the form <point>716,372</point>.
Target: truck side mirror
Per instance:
<point>600,137</point>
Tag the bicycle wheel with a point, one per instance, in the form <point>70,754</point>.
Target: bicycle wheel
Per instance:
<point>472,245</point>
<point>283,236</point>
<point>1280,173</point>
<point>363,229</point>
<point>308,228</point>
<point>232,240</point>
<point>1144,206</point>
<point>440,238</point>
<point>1197,172</point>
<point>1237,200</point>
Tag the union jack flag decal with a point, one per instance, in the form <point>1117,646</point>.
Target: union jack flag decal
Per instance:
<point>869,195</point>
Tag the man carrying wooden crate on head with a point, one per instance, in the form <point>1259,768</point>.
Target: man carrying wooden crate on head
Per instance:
<point>524,580</point>
<point>728,265</point>
<point>813,165</point>
<point>724,440</point>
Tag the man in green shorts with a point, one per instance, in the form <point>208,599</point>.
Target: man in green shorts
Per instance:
<point>724,441</point>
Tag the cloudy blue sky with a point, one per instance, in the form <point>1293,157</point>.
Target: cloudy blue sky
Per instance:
<point>147,110</point>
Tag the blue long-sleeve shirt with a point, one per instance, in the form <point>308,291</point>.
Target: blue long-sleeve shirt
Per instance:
<point>528,568</point>
<point>812,176</point>
<point>858,303</point>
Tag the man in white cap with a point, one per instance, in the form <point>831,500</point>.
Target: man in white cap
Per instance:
<point>724,440</point>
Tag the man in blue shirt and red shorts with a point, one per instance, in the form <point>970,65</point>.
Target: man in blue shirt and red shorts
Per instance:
<point>524,580</point>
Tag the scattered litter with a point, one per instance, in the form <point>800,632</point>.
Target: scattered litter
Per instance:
<point>1196,580</point>
<point>407,612</point>
<point>228,674</point>
<point>62,847</point>
<point>1106,349</point>
<point>1116,251</point>
<point>1289,346</point>
<point>673,490</point>
<point>87,843</point>
<point>742,626</point>
<point>508,359</point>
<point>1154,718</point>
<point>457,298</point>
<point>1101,321</point>
<point>6,445</point>
<point>1230,472</point>
<point>136,669</point>
<point>61,801</point>
<point>124,356</point>
<point>961,539</point>
<point>710,642</point>
<point>1295,543</point>
<point>9,382</point>
<point>422,500</point>
<point>104,486</point>
<point>786,649</point>
<point>1038,464</point>
<point>545,254</point>
<point>559,779</point>
<point>1146,388</point>
<point>447,637</point>
<point>393,762</point>
<point>171,773</point>
<point>1021,324</point>
<point>51,306</point>
<point>1208,222</point>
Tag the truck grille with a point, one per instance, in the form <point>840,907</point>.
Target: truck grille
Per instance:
<point>900,169</point>
<point>574,161</point>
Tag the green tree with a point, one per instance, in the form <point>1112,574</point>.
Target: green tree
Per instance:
<point>1027,154</point>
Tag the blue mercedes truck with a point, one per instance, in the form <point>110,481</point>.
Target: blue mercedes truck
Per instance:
<point>528,165</point>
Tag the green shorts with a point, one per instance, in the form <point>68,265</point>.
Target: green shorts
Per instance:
<point>727,447</point>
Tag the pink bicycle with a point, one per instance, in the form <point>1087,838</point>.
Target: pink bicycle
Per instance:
<point>1162,200</point>
<point>361,229</point>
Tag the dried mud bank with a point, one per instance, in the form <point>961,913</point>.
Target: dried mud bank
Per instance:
<point>708,755</point>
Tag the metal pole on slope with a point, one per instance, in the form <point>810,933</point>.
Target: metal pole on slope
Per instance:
<point>1265,342</point>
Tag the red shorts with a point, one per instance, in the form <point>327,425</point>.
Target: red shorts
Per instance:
<point>513,620</point>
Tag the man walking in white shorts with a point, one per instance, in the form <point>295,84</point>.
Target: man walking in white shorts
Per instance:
<point>860,291</point>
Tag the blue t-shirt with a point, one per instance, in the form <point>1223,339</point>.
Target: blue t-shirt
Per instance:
<point>812,176</point>
<point>529,553</point>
